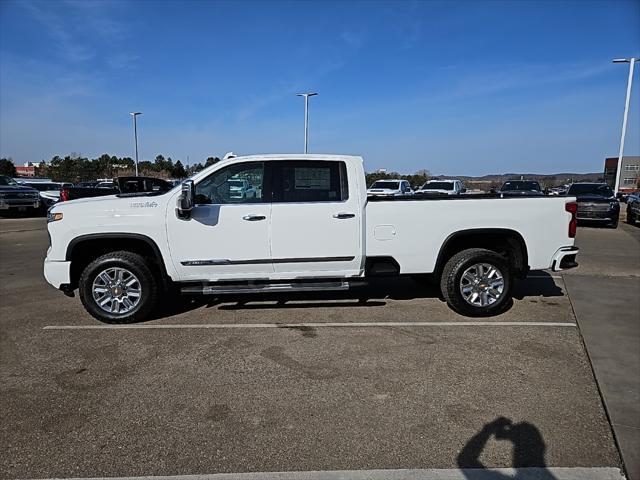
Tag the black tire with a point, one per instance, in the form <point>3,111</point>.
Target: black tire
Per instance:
<point>450,282</point>
<point>135,264</point>
<point>631,220</point>
<point>613,223</point>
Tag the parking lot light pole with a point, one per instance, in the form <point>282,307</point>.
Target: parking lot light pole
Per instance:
<point>306,118</point>
<point>631,62</point>
<point>135,135</point>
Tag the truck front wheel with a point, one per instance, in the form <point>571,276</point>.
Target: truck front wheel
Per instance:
<point>476,282</point>
<point>118,287</point>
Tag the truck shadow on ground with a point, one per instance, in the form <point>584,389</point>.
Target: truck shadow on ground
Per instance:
<point>528,450</point>
<point>375,294</point>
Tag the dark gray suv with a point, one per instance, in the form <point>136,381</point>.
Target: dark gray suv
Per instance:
<point>17,198</point>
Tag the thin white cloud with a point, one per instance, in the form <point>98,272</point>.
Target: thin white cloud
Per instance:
<point>79,28</point>
<point>501,78</point>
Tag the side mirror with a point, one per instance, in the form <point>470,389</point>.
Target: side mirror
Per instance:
<point>186,200</point>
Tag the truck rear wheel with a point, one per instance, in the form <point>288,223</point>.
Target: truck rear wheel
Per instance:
<point>118,287</point>
<point>476,282</point>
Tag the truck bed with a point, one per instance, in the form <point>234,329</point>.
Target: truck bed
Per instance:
<point>412,229</point>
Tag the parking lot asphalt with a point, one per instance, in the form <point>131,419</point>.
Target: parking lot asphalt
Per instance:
<point>183,399</point>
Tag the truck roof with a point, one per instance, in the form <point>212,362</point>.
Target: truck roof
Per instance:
<point>295,156</point>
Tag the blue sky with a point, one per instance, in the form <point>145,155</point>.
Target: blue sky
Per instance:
<point>454,87</point>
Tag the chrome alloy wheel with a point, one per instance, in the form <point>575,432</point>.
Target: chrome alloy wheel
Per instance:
<point>481,284</point>
<point>116,290</point>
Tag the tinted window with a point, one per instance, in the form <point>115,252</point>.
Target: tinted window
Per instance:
<point>590,189</point>
<point>7,181</point>
<point>44,186</point>
<point>239,183</point>
<point>438,186</point>
<point>307,181</point>
<point>521,185</point>
<point>385,184</point>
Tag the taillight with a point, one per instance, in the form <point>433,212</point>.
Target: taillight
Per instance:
<point>572,208</point>
<point>64,195</point>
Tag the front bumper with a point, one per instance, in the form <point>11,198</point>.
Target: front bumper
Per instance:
<point>564,259</point>
<point>57,273</point>
<point>19,204</point>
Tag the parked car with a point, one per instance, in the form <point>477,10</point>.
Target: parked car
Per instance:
<point>87,184</point>
<point>241,188</point>
<point>313,228</point>
<point>49,192</point>
<point>17,198</point>
<point>443,187</point>
<point>120,185</point>
<point>596,202</point>
<point>390,188</point>
<point>633,208</point>
<point>515,188</point>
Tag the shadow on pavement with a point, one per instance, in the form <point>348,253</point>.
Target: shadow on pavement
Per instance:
<point>528,451</point>
<point>375,294</point>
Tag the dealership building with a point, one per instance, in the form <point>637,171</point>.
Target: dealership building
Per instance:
<point>628,174</point>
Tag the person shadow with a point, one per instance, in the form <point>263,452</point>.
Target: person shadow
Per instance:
<point>528,452</point>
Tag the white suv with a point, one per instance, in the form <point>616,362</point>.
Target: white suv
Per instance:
<point>390,188</point>
<point>446,187</point>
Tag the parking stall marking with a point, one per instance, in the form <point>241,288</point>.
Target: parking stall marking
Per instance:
<point>307,324</point>
<point>531,473</point>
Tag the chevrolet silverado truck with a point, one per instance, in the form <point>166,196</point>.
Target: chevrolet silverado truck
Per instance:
<point>310,226</point>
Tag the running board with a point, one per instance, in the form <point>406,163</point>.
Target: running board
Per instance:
<point>218,289</point>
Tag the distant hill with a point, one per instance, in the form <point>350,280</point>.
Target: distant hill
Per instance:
<point>485,182</point>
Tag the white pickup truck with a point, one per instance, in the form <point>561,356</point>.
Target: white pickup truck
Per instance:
<point>310,226</point>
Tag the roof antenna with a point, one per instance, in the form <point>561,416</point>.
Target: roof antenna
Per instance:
<point>229,155</point>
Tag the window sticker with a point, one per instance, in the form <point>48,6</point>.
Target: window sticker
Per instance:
<point>312,178</point>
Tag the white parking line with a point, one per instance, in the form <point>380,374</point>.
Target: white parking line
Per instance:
<point>309,324</point>
<point>555,473</point>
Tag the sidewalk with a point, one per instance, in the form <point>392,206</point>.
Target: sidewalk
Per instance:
<point>607,306</point>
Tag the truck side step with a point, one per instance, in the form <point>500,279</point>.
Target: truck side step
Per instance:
<point>221,288</point>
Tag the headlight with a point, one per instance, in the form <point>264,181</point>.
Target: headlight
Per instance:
<point>54,216</point>
<point>614,205</point>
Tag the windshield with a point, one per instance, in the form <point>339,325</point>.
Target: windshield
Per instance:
<point>438,186</point>
<point>41,187</point>
<point>590,189</point>
<point>520,185</point>
<point>236,183</point>
<point>7,181</point>
<point>383,184</point>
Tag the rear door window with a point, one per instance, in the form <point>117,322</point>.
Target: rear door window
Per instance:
<point>309,181</point>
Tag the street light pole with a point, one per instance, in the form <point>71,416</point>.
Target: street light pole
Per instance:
<point>306,118</point>
<point>631,62</point>
<point>135,135</point>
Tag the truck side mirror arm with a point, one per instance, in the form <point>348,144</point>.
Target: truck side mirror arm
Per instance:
<point>186,200</point>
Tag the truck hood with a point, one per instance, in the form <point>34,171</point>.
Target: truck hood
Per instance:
<point>16,189</point>
<point>517,193</point>
<point>437,191</point>
<point>384,191</point>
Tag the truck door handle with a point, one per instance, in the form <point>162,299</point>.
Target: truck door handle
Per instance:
<point>344,215</point>
<point>253,217</point>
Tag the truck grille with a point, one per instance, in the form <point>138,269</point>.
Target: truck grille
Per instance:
<point>593,207</point>
<point>592,214</point>
<point>19,196</point>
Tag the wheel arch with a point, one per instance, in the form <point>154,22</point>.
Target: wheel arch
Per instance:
<point>83,249</point>
<point>501,240</point>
